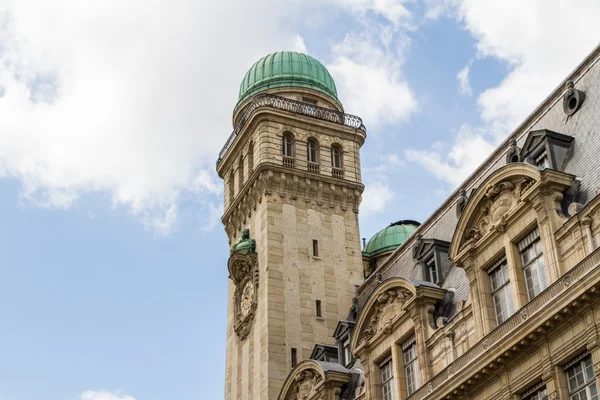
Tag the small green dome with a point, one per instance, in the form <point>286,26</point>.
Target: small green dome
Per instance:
<point>390,238</point>
<point>287,68</point>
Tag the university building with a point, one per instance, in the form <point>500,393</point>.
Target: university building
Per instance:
<point>494,296</point>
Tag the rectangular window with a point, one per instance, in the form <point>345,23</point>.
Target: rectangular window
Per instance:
<point>501,291</point>
<point>387,379</point>
<point>347,355</point>
<point>432,275</point>
<point>580,378</point>
<point>537,392</point>
<point>315,248</point>
<point>534,268</point>
<point>319,314</point>
<point>294,357</point>
<point>411,365</point>
<point>336,158</point>
<point>541,160</point>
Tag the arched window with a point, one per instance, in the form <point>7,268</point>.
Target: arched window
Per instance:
<point>312,150</point>
<point>287,145</point>
<point>287,149</point>
<point>336,157</point>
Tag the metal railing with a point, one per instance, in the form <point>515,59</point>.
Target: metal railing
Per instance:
<point>563,284</point>
<point>293,106</point>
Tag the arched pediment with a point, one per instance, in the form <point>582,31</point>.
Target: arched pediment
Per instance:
<point>384,307</point>
<point>498,198</point>
<point>302,381</point>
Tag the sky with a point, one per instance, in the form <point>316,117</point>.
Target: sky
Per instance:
<point>113,273</point>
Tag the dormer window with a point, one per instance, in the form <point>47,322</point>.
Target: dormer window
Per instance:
<point>546,149</point>
<point>432,256</point>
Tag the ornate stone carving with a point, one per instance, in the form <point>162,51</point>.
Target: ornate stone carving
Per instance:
<point>388,307</point>
<point>243,271</point>
<point>574,208</point>
<point>513,154</point>
<point>498,201</point>
<point>572,99</point>
<point>305,383</point>
<point>461,203</point>
<point>429,388</point>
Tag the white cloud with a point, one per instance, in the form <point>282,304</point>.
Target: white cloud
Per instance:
<point>376,197</point>
<point>132,98</point>
<point>393,10</point>
<point>370,81</point>
<point>470,149</point>
<point>101,395</point>
<point>464,87</point>
<point>542,43</point>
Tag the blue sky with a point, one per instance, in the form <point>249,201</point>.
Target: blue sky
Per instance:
<point>112,256</point>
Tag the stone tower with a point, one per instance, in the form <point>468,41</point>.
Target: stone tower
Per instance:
<point>291,171</point>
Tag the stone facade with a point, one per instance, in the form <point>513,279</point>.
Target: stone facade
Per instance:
<point>510,309</point>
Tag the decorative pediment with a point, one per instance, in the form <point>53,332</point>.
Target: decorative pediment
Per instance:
<point>315,380</point>
<point>500,197</point>
<point>383,309</point>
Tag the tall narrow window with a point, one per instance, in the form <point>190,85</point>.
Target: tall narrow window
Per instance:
<point>318,306</point>
<point>294,357</point>
<point>231,185</point>
<point>501,291</point>
<point>532,260</point>
<point>311,148</point>
<point>537,392</point>
<point>347,354</point>
<point>250,158</point>
<point>287,145</point>
<point>432,275</point>
<point>315,248</point>
<point>411,365</point>
<point>387,379</point>
<point>336,157</point>
<point>580,378</point>
<point>241,172</point>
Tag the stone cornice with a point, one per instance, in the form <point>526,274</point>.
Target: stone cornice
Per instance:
<point>273,179</point>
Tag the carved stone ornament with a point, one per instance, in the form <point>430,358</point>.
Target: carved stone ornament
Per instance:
<point>513,154</point>
<point>388,307</point>
<point>243,271</point>
<point>495,207</point>
<point>305,384</point>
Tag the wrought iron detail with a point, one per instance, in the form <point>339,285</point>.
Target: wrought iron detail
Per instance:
<point>293,106</point>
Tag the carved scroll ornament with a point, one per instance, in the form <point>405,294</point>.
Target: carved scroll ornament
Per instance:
<point>243,271</point>
<point>305,384</point>
<point>499,200</point>
<point>389,305</point>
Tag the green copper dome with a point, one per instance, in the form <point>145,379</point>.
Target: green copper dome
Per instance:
<point>287,68</point>
<point>390,238</point>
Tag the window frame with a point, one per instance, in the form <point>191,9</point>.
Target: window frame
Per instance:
<point>287,144</point>
<point>584,361</point>
<point>386,370</point>
<point>337,148</point>
<point>411,365</point>
<point>535,267</point>
<point>505,288</point>
<point>536,392</point>
<point>431,269</point>
<point>315,149</point>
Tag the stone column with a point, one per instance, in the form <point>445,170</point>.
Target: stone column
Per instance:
<point>451,352</point>
<point>593,346</point>
<point>419,315</point>
<point>547,237</point>
<point>587,226</point>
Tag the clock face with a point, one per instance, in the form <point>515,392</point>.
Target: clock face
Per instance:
<point>246,300</point>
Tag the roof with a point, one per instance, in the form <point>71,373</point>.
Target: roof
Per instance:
<point>390,238</point>
<point>284,69</point>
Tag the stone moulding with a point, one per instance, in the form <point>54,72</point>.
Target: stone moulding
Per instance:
<point>315,380</point>
<point>515,329</point>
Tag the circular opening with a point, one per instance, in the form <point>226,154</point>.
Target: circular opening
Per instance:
<point>572,104</point>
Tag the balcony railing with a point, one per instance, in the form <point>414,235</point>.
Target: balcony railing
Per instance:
<point>313,167</point>
<point>288,162</point>
<point>508,328</point>
<point>293,106</point>
<point>337,173</point>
